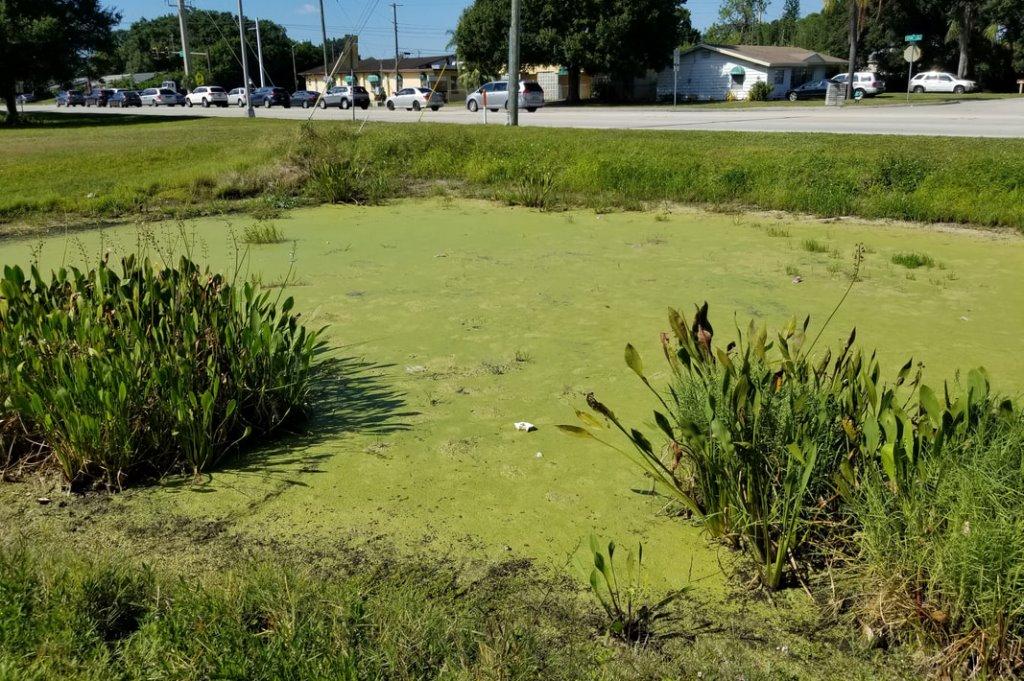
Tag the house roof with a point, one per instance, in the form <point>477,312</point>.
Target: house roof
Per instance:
<point>771,55</point>
<point>425,63</point>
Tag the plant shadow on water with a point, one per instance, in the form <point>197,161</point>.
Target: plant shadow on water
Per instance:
<point>351,396</point>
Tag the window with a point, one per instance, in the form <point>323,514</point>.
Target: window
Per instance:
<point>780,76</point>
<point>501,87</point>
<point>945,79</point>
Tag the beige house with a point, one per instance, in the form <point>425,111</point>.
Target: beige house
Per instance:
<point>378,76</point>
<point>554,80</point>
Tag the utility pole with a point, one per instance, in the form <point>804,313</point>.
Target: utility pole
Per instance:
<point>183,24</point>
<point>245,61</point>
<point>513,66</point>
<point>323,35</point>
<point>259,54</point>
<point>295,71</point>
<point>394,14</point>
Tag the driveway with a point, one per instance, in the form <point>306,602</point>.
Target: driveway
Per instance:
<point>989,118</point>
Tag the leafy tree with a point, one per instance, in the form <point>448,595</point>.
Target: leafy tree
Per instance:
<point>44,40</point>
<point>788,22</point>
<point>622,38</point>
<point>739,21</point>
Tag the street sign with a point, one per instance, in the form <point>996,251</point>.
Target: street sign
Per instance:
<point>912,53</point>
<point>675,57</point>
<point>914,38</point>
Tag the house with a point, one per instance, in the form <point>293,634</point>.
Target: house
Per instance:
<point>554,80</point>
<point>718,72</point>
<point>440,72</point>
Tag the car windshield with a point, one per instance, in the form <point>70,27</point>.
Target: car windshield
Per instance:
<point>167,92</point>
<point>216,89</point>
<point>359,89</point>
<point>532,87</point>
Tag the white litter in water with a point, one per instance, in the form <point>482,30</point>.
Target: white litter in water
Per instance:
<point>525,426</point>
<point>415,369</point>
<point>538,455</point>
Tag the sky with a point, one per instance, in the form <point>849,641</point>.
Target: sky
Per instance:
<point>423,25</point>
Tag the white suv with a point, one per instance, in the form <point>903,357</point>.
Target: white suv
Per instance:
<point>206,95</point>
<point>865,83</point>
<point>940,81</point>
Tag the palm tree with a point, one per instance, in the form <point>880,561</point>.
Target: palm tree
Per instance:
<point>858,14</point>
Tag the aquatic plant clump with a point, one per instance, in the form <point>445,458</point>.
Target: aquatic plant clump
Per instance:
<point>121,373</point>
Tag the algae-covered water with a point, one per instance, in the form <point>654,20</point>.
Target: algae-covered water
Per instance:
<point>456,319</point>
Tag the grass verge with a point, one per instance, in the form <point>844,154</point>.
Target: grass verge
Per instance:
<point>189,167</point>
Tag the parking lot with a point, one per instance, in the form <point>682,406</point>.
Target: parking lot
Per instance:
<point>992,118</point>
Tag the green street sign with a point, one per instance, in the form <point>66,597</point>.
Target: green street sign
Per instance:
<point>914,38</point>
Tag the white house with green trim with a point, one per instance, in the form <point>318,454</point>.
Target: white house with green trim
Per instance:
<point>713,72</point>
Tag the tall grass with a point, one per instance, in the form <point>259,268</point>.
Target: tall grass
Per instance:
<point>137,370</point>
<point>944,562</point>
<point>880,177</point>
<point>113,619</point>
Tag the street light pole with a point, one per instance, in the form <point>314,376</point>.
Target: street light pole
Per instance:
<point>245,61</point>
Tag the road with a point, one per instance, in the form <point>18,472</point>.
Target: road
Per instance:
<point>989,118</point>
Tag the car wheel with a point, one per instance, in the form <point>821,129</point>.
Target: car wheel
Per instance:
<point>793,97</point>
<point>493,110</point>
<point>188,103</point>
<point>345,104</point>
<point>305,104</point>
<point>152,102</point>
<point>434,108</point>
<point>206,104</point>
<point>415,106</point>
<point>472,105</point>
<point>918,89</point>
<point>958,90</point>
<point>323,103</point>
<point>858,94</point>
<point>241,103</point>
<point>391,106</point>
<point>267,103</point>
<point>531,109</point>
<point>364,107</point>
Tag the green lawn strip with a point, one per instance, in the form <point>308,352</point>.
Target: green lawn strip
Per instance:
<point>56,174</point>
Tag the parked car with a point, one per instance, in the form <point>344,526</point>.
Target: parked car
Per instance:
<point>414,99</point>
<point>159,96</point>
<point>495,94</point>
<point>815,89</point>
<point>70,98</point>
<point>304,98</point>
<point>271,96</point>
<point>865,83</point>
<point>237,97</point>
<point>124,98</point>
<point>940,81</point>
<point>98,97</point>
<point>26,97</point>
<point>205,95</point>
<point>341,97</point>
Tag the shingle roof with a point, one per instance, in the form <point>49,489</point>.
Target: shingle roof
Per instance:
<point>773,55</point>
<point>386,65</point>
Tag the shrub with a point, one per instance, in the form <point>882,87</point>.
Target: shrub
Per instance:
<point>761,91</point>
<point>913,260</point>
<point>622,592</point>
<point>141,370</point>
<point>262,232</point>
<point>814,246</point>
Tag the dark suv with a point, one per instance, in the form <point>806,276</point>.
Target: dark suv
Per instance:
<point>98,97</point>
<point>124,98</point>
<point>271,96</point>
<point>70,98</point>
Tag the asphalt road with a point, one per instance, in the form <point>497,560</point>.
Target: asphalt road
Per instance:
<point>990,118</point>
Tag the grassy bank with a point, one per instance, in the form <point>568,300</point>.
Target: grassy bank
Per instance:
<point>72,168</point>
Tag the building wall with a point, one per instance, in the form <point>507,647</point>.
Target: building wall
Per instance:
<point>705,75</point>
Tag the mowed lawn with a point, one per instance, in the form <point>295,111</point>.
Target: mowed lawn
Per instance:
<point>456,318</point>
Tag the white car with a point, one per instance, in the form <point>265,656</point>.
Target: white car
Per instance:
<point>414,99</point>
<point>205,95</point>
<point>865,83</point>
<point>159,96</point>
<point>495,95</point>
<point>236,97</point>
<point>940,81</point>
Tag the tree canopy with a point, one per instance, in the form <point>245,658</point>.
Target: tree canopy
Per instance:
<point>44,40</point>
<point>619,37</point>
